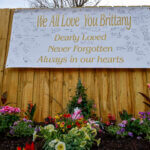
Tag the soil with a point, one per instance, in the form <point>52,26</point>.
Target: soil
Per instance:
<point>107,143</point>
<point>111,143</point>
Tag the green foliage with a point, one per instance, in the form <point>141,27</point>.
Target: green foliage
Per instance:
<point>124,115</point>
<point>6,121</point>
<point>112,130</point>
<point>22,129</point>
<point>30,111</point>
<point>134,126</point>
<point>80,101</point>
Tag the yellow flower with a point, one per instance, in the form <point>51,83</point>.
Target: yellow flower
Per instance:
<point>57,117</point>
<point>58,122</point>
<point>60,146</point>
<point>61,125</point>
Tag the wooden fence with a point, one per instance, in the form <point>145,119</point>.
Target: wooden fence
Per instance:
<point>112,89</point>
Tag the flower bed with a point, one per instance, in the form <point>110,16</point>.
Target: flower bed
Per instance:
<point>77,129</point>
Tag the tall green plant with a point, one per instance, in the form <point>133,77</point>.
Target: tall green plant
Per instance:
<point>30,111</point>
<point>80,100</point>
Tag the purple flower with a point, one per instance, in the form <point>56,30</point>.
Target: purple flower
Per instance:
<point>122,130</point>
<point>16,122</point>
<point>11,131</point>
<point>141,113</point>
<point>121,125</point>
<point>37,129</point>
<point>139,137</point>
<point>29,126</point>
<point>30,121</point>
<point>118,132</point>
<point>148,113</point>
<point>130,134</point>
<point>24,119</point>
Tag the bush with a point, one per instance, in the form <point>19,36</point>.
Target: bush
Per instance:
<point>8,115</point>
<point>80,101</point>
<point>6,121</point>
<point>22,128</point>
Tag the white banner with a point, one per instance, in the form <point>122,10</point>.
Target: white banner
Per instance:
<point>104,37</point>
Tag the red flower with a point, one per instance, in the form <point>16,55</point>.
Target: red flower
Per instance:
<point>85,122</point>
<point>78,124</point>
<point>29,146</point>
<point>107,123</point>
<point>32,146</point>
<point>31,105</point>
<point>64,115</point>
<point>111,117</point>
<point>18,148</point>
<point>68,126</point>
<point>49,118</point>
<point>68,115</point>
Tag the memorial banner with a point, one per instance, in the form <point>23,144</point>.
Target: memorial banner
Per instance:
<point>104,37</point>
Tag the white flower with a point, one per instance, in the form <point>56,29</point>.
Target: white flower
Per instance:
<point>34,135</point>
<point>53,142</point>
<point>60,146</point>
<point>49,127</point>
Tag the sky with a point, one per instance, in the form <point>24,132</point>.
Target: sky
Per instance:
<point>14,4</point>
<point>25,4</point>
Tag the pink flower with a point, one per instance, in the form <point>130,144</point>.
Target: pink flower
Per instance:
<point>9,109</point>
<point>133,119</point>
<point>124,122</point>
<point>80,100</point>
<point>148,85</point>
<point>56,125</point>
<point>77,114</point>
<point>141,122</point>
<point>91,121</point>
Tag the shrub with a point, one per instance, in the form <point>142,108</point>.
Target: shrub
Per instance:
<point>80,101</point>
<point>8,115</point>
<point>22,128</point>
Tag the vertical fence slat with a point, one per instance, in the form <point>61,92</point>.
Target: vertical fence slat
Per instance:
<point>25,88</point>
<point>139,85</point>
<point>56,87</point>
<point>69,86</point>
<point>4,29</point>
<point>10,80</point>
